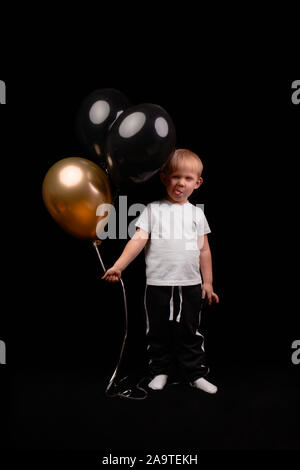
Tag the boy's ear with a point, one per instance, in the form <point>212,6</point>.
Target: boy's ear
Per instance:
<point>199,182</point>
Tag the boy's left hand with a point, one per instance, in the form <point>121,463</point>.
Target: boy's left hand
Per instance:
<point>208,291</point>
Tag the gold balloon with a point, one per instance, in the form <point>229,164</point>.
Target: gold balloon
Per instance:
<point>73,188</point>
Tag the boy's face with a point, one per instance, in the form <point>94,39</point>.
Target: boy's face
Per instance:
<point>181,183</point>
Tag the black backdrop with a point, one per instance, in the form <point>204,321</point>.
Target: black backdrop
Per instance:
<point>58,314</point>
<point>243,130</point>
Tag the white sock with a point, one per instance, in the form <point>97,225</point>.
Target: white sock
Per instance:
<point>158,382</point>
<point>204,385</point>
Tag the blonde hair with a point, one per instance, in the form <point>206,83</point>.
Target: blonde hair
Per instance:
<point>178,157</point>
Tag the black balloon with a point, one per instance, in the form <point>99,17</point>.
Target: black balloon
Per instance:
<point>95,116</point>
<point>139,142</point>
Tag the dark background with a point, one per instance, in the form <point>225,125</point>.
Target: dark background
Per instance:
<point>246,134</point>
<point>63,326</point>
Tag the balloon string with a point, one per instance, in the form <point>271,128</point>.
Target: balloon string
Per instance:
<point>96,243</point>
<point>126,393</point>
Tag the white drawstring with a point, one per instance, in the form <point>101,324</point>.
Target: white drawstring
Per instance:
<point>171,305</point>
<point>180,308</point>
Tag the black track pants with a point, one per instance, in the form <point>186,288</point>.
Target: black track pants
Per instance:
<point>173,319</point>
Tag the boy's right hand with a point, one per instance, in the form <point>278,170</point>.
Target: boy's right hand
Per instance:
<point>112,275</point>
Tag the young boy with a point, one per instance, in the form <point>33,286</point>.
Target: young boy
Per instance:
<point>174,235</point>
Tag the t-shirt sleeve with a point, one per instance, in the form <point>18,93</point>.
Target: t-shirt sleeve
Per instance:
<point>144,221</point>
<point>202,224</point>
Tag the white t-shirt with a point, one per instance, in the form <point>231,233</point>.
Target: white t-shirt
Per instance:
<point>176,236</point>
